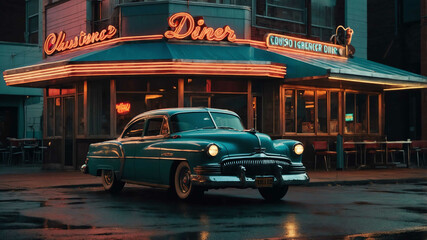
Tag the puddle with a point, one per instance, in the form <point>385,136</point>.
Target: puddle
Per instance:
<point>14,220</point>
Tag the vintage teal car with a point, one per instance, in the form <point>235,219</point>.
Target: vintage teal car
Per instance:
<point>191,150</point>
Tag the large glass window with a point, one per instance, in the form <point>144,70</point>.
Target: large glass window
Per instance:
<point>289,110</point>
<point>322,112</point>
<point>305,111</point>
<point>99,108</point>
<point>373,114</point>
<point>334,118</point>
<point>135,96</point>
<point>361,113</point>
<point>318,112</point>
<point>349,113</point>
<point>217,93</point>
<point>32,21</point>
<point>323,18</point>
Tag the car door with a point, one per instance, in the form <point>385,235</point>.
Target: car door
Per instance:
<point>147,153</point>
<point>131,140</point>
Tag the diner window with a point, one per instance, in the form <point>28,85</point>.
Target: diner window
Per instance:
<point>289,110</point>
<point>334,118</point>
<point>98,108</point>
<point>349,113</point>
<point>373,114</point>
<point>135,96</point>
<point>305,111</point>
<point>80,109</point>
<point>361,113</point>
<point>217,93</point>
<point>322,112</point>
<point>50,117</point>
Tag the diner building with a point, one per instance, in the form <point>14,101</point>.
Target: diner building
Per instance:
<point>291,69</point>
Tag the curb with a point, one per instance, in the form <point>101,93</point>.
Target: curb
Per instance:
<point>366,182</point>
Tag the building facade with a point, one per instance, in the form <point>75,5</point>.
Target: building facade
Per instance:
<point>20,108</point>
<point>292,69</point>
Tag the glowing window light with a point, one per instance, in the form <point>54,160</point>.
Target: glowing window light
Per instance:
<point>123,108</point>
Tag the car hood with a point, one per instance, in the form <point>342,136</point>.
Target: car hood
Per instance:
<point>235,142</point>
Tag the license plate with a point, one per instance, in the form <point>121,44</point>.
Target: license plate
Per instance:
<point>264,182</point>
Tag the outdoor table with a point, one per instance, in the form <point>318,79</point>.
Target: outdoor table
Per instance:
<point>385,143</point>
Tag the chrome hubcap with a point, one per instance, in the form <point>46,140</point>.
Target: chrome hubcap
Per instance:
<point>184,180</point>
<point>108,177</point>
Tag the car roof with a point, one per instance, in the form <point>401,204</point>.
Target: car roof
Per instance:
<point>172,111</point>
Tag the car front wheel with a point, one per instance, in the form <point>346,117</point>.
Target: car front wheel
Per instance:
<point>182,183</point>
<point>110,182</point>
<point>274,193</point>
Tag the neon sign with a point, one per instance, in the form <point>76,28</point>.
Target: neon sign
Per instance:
<point>57,43</point>
<point>197,29</point>
<point>282,41</point>
<point>123,108</point>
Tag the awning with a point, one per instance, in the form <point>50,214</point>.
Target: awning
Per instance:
<point>153,58</point>
<point>311,70</point>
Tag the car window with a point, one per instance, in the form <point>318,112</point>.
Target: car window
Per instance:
<point>224,120</point>
<point>190,121</point>
<point>154,127</point>
<point>135,130</point>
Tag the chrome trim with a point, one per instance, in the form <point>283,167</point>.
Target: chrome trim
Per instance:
<point>246,182</point>
<point>84,169</point>
<point>156,185</point>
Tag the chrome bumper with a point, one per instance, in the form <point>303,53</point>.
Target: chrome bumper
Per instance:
<point>84,169</point>
<point>207,181</point>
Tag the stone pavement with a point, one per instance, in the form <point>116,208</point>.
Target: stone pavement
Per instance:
<point>23,177</point>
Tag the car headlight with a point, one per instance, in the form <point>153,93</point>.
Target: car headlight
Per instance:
<point>212,150</point>
<point>298,149</point>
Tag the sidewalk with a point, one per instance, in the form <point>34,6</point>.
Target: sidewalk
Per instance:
<point>34,177</point>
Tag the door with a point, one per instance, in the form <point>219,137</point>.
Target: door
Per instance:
<point>69,140</point>
<point>147,154</point>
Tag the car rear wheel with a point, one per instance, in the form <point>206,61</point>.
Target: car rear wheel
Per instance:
<point>110,182</point>
<point>274,193</point>
<point>183,188</point>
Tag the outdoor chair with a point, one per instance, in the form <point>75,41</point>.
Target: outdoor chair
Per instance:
<point>393,148</point>
<point>419,147</point>
<point>322,148</point>
<point>374,149</point>
<point>4,151</point>
<point>350,149</point>
<point>15,149</point>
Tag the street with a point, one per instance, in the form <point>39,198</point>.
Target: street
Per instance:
<point>379,211</point>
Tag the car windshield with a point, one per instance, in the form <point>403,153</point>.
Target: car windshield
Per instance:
<point>190,121</point>
<point>227,121</point>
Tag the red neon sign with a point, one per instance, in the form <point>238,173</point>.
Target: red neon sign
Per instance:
<point>197,30</point>
<point>123,108</point>
<point>57,43</point>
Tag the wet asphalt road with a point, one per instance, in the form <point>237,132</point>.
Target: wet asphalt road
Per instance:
<point>376,211</point>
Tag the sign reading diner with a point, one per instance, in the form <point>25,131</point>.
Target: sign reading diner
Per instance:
<point>56,42</point>
<point>287,42</point>
<point>184,25</point>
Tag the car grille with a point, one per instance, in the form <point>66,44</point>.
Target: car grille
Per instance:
<point>254,166</point>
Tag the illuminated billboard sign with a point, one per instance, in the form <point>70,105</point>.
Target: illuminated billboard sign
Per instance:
<point>286,42</point>
<point>56,42</point>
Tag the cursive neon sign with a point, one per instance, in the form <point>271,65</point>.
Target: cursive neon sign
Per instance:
<point>56,42</point>
<point>196,29</point>
<point>123,108</point>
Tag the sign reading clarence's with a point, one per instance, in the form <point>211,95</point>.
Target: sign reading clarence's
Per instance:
<point>57,43</point>
<point>282,41</point>
<point>178,21</point>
